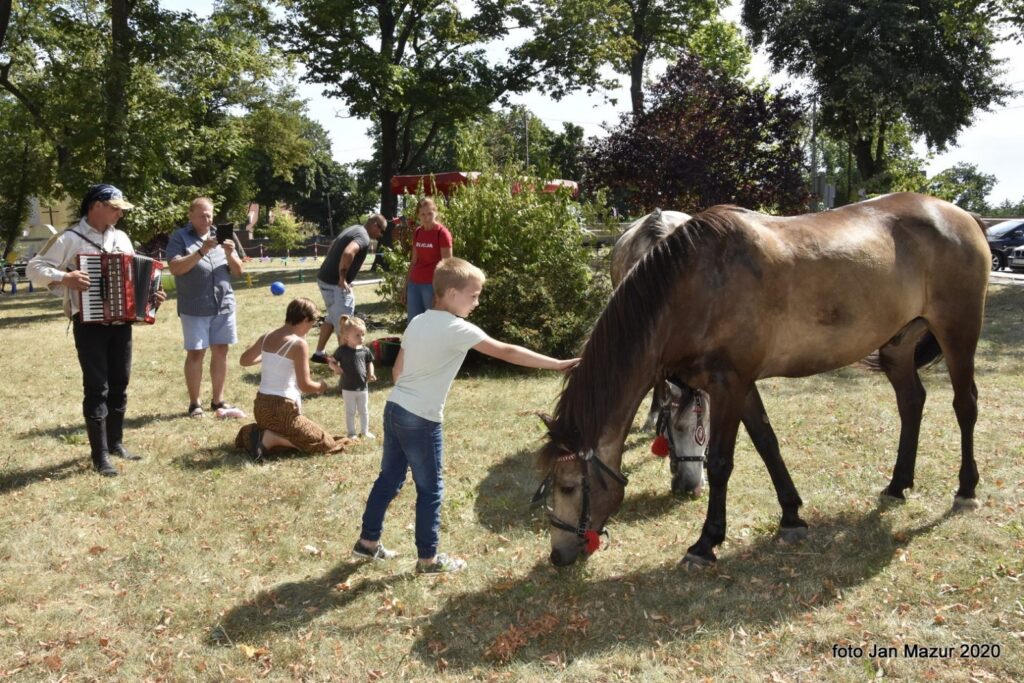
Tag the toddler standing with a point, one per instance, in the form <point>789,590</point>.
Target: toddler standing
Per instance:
<point>354,362</point>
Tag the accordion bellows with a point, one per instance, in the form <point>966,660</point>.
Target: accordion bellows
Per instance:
<point>122,288</point>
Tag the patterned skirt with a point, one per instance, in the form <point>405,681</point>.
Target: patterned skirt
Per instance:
<point>282,416</point>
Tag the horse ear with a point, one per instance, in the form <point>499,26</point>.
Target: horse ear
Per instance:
<point>676,389</point>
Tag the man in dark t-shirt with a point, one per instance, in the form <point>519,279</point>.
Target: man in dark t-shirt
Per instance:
<point>339,269</point>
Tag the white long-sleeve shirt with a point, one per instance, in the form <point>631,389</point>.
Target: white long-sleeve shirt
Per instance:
<point>57,258</point>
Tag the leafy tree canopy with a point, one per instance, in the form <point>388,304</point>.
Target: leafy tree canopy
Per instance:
<point>707,138</point>
<point>420,68</point>
<point>661,28</point>
<point>874,64</point>
<point>198,100</point>
<point>964,185</point>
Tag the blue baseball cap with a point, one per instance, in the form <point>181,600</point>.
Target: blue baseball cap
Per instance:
<point>105,193</point>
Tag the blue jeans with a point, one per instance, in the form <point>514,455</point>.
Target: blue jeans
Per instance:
<point>410,443</point>
<point>418,298</point>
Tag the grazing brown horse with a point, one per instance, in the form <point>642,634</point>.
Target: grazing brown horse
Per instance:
<point>680,413</point>
<point>736,296</point>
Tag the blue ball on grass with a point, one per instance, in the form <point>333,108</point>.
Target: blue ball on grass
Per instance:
<point>277,288</point>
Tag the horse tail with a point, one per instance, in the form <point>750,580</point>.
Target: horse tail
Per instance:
<point>979,221</point>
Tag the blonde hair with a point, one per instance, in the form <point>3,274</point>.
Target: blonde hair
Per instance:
<point>347,323</point>
<point>426,201</point>
<point>455,273</point>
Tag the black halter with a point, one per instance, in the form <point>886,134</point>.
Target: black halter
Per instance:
<point>664,428</point>
<point>540,497</point>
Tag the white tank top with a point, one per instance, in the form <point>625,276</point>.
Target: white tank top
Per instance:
<point>277,377</point>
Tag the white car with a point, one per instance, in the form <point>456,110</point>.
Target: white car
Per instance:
<point>1016,259</point>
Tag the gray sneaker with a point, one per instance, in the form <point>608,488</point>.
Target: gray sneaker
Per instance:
<point>442,564</point>
<point>361,552</point>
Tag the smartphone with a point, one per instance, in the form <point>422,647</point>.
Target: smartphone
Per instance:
<point>225,231</point>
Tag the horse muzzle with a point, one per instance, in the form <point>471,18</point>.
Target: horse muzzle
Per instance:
<point>562,557</point>
<point>685,484</point>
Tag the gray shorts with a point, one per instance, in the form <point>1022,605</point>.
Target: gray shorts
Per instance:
<point>338,301</point>
<point>203,331</point>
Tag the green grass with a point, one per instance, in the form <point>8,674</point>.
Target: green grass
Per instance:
<point>197,565</point>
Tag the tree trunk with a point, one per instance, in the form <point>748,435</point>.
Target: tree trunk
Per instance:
<point>18,204</point>
<point>636,81</point>
<point>388,166</point>
<point>118,76</point>
<point>866,164</point>
<point>5,19</point>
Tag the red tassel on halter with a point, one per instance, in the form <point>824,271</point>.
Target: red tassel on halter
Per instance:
<point>660,446</point>
<point>591,541</point>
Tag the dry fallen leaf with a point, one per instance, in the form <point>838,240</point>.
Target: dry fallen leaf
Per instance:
<point>96,550</point>
<point>53,662</point>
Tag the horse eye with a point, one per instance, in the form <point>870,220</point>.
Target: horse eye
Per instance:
<point>567,490</point>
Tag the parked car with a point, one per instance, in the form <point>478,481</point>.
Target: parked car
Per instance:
<point>1016,260</point>
<point>1002,239</point>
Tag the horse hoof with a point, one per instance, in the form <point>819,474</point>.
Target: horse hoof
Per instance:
<point>965,504</point>
<point>691,561</point>
<point>887,498</point>
<point>793,534</point>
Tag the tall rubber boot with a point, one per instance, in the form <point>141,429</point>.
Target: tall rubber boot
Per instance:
<point>115,433</point>
<point>97,430</point>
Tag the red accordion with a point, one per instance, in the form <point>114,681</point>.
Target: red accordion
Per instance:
<point>122,288</point>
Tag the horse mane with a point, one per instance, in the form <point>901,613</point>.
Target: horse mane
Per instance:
<point>625,328</point>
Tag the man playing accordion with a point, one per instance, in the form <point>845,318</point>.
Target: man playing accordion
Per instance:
<point>104,349</point>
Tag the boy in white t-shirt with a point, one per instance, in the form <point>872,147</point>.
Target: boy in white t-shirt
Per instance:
<point>433,348</point>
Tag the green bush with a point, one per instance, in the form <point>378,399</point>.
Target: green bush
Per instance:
<point>541,291</point>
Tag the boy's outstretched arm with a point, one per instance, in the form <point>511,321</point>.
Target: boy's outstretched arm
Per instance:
<point>519,355</point>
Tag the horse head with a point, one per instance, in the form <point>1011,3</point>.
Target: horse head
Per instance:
<point>685,422</point>
<point>584,490</point>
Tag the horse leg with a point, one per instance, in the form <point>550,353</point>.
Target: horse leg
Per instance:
<point>658,399</point>
<point>725,422</point>
<point>755,419</point>
<point>897,361</point>
<point>958,347</point>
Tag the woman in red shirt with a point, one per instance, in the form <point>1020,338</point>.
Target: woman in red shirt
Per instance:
<point>431,242</point>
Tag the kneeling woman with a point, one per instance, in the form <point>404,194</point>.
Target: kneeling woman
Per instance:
<point>283,377</point>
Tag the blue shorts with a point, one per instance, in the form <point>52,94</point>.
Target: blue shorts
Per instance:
<point>203,331</point>
<point>338,301</point>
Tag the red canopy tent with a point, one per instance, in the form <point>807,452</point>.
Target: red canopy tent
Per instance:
<point>443,183</point>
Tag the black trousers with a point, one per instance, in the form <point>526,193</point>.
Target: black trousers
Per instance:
<point>105,355</point>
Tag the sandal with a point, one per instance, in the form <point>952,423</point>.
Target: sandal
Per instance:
<point>223,404</point>
<point>195,410</point>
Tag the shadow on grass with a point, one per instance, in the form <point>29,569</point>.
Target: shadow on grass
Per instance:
<point>19,479</point>
<point>563,612</point>
<point>130,422</point>
<point>759,584</point>
<point>21,320</point>
<point>33,300</point>
<point>502,500</point>
<point>228,455</point>
<point>290,605</point>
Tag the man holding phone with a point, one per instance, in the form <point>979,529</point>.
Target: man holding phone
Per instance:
<point>203,263</point>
